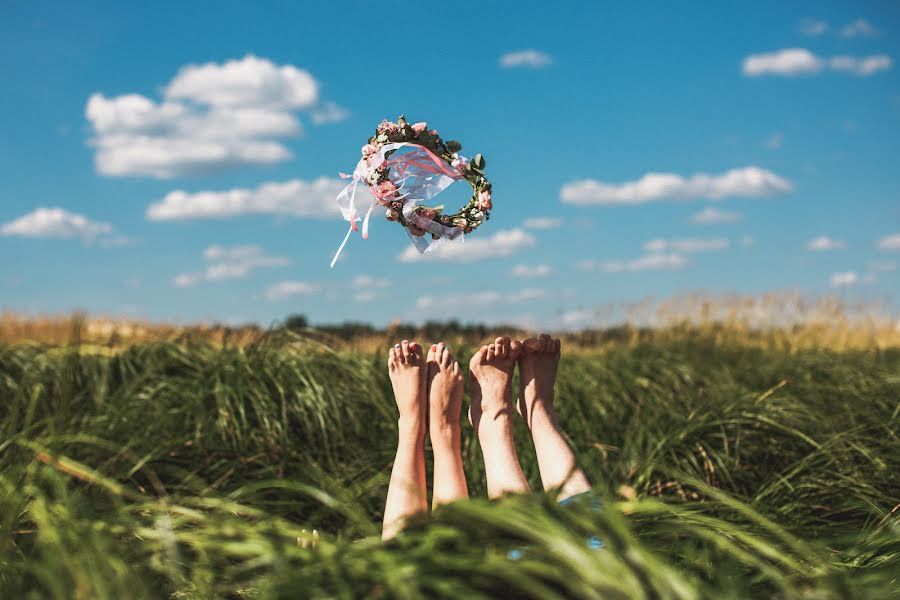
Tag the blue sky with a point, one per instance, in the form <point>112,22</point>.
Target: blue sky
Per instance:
<point>186,158</point>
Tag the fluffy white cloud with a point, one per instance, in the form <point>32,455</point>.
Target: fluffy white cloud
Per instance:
<point>747,181</point>
<point>235,262</point>
<point>211,116</point>
<point>531,270</point>
<point>859,27</point>
<point>648,262</point>
<point>686,245</point>
<point>500,245</point>
<point>813,27</point>
<point>295,198</point>
<point>843,279</point>
<point>889,242</point>
<point>713,216</point>
<point>790,62</point>
<point>368,282</point>
<point>288,289</point>
<point>55,223</point>
<point>531,58</point>
<point>542,223</point>
<point>451,303</point>
<point>823,242</point>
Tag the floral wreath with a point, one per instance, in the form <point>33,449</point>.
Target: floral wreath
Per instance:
<point>401,180</point>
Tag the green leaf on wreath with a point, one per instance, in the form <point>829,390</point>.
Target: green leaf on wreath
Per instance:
<point>453,146</point>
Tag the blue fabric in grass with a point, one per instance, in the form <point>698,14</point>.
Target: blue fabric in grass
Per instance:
<point>593,542</point>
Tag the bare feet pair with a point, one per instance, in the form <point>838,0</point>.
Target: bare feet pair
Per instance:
<point>428,390</point>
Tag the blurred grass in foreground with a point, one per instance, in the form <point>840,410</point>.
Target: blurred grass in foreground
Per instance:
<point>727,467</point>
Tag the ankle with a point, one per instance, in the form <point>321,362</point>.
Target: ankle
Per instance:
<point>411,428</point>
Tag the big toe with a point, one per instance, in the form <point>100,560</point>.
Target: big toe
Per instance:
<point>478,358</point>
<point>515,348</point>
<point>531,345</point>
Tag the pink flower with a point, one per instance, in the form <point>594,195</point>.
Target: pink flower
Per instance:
<point>384,190</point>
<point>392,215</point>
<point>420,127</point>
<point>434,132</point>
<point>416,230</point>
<point>427,213</point>
<point>387,127</point>
<point>368,150</point>
<point>460,164</point>
<point>484,200</point>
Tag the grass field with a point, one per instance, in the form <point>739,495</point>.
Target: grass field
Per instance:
<point>727,465</point>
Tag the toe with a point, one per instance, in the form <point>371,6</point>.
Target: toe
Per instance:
<point>416,355</point>
<point>392,359</point>
<point>515,348</point>
<point>546,342</point>
<point>557,345</point>
<point>404,352</point>
<point>479,357</point>
<point>445,356</point>
<point>531,345</point>
<point>489,357</point>
<point>433,354</point>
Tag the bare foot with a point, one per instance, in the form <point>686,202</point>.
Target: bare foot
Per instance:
<point>491,415</point>
<point>491,369</point>
<point>445,390</point>
<point>407,370</point>
<point>538,363</point>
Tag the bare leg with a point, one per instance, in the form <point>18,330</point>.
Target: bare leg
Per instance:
<point>491,415</point>
<point>406,492</point>
<point>445,391</point>
<point>538,363</point>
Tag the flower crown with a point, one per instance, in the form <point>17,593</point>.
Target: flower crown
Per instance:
<point>404,165</point>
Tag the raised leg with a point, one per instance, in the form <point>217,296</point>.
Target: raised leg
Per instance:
<point>491,415</point>
<point>445,391</point>
<point>406,492</point>
<point>538,363</point>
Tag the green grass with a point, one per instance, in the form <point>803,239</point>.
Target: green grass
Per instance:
<point>183,470</point>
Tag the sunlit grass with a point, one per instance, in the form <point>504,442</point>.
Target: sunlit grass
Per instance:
<point>726,467</point>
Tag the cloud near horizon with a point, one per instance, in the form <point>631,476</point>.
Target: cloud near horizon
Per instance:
<point>234,262</point>
<point>653,187</point>
<point>295,198</point>
<point>791,62</point>
<point>58,223</point>
<point>502,244</point>
<point>211,117</point>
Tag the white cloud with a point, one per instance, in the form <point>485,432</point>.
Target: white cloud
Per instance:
<point>791,62</point>
<point>55,223</point>
<point>863,66</point>
<point>531,270</point>
<point>235,262</point>
<point>451,303</point>
<point>859,27</point>
<point>747,181</point>
<point>369,282</point>
<point>211,117</point>
<point>889,242</point>
<point>813,27</point>
<point>295,198</point>
<point>775,141</point>
<point>328,112</point>
<point>686,245</point>
<point>531,58</point>
<point>365,296</point>
<point>542,223</point>
<point>288,289</point>
<point>713,216</point>
<point>503,243</point>
<point>823,242</point>
<point>884,266</point>
<point>648,262</point>
<point>843,279</point>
